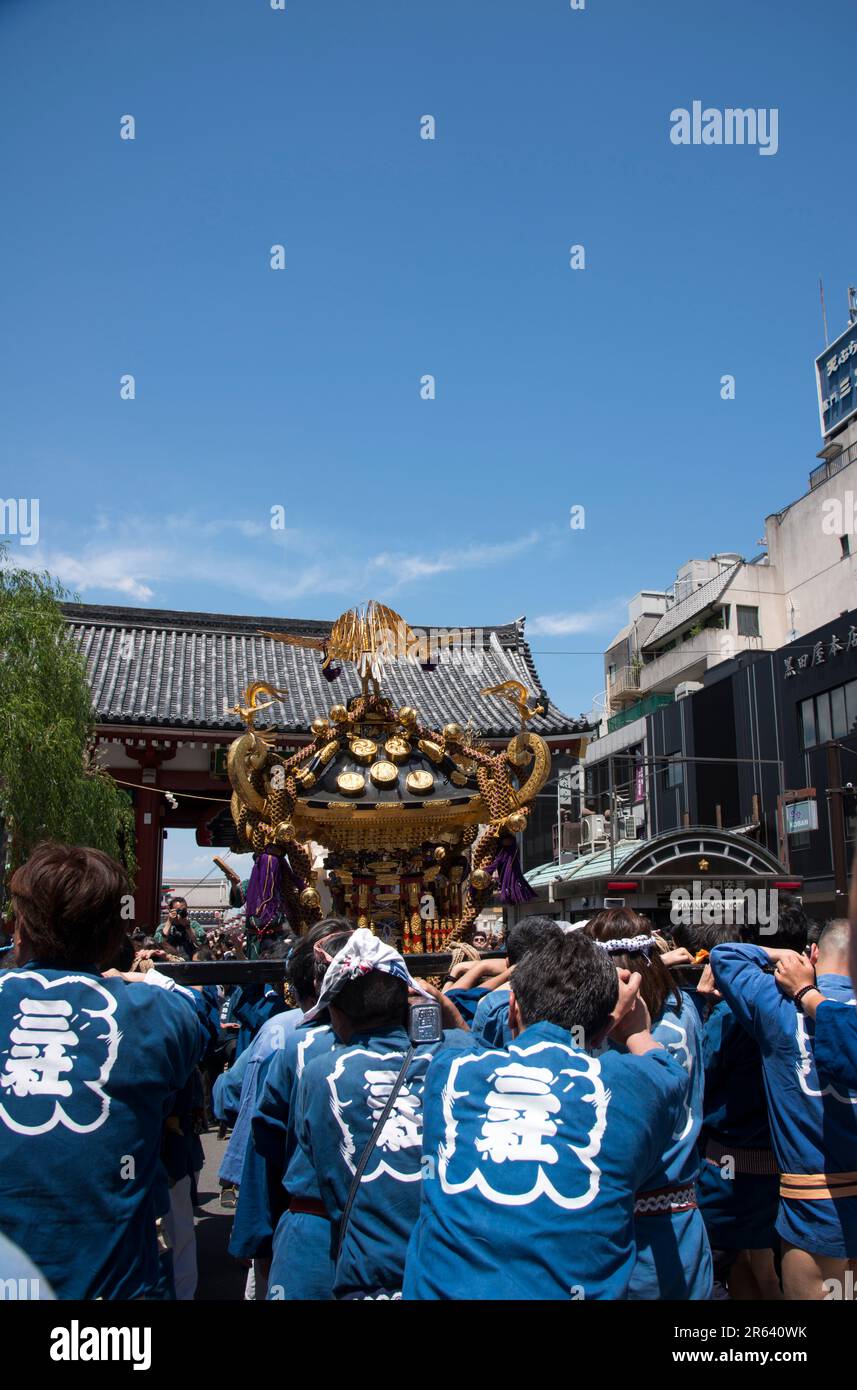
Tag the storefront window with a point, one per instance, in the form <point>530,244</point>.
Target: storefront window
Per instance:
<point>673,773</point>
<point>807,716</point>
<point>838,717</point>
<point>832,714</point>
<point>851,704</point>
<point>822,717</point>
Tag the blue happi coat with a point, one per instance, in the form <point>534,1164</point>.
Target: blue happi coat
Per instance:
<point>532,1158</point>
<point>255,1061</point>
<point>813,1118</point>
<point>251,1006</point>
<point>739,1208</point>
<point>226,1091</point>
<point>340,1099</point>
<point>673,1252</point>
<point>88,1066</point>
<point>467,1001</point>
<point>301,1267</point>
<point>260,1195</point>
<point>490,1024</point>
<point>835,1043</point>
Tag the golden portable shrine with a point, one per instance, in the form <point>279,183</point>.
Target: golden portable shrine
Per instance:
<point>402,809</point>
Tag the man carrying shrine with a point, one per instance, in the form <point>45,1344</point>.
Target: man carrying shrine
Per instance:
<point>88,1063</point>
<point>369,1089</point>
<point>532,1155</point>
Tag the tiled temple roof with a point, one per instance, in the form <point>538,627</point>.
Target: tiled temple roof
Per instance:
<point>182,670</point>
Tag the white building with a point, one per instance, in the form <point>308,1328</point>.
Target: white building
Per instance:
<point>717,608</point>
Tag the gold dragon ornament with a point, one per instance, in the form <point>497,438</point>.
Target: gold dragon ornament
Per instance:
<point>397,804</point>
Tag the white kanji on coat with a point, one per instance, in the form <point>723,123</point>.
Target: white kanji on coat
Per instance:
<point>518,1120</point>
<point>61,1041</point>
<point>532,1126</point>
<point>402,1128</point>
<point>360,1085</point>
<point>37,1059</point>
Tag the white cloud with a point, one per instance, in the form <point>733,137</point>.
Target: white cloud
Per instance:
<point>117,571</point>
<point>403,567</point>
<point>181,549</point>
<point>579,620</point>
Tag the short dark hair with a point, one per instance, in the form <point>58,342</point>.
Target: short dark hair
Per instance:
<point>68,901</point>
<point>792,927</point>
<point>303,970</point>
<point>527,934</point>
<point>125,954</point>
<point>376,998</point>
<point>171,902</point>
<point>275,947</point>
<point>566,980</point>
<point>704,936</point>
<point>816,928</point>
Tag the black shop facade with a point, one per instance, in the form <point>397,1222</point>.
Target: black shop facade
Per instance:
<point>770,744</point>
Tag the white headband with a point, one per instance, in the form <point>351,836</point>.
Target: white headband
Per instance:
<point>361,953</point>
<point>646,944</point>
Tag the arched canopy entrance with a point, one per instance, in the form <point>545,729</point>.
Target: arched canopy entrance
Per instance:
<point>693,864</point>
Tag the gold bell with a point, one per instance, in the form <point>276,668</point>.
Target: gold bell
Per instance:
<point>480,880</point>
<point>338,713</point>
<point>516,822</point>
<point>310,898</point>
<point>319,727</point>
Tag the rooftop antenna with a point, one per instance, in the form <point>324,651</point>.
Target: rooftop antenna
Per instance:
<point>852,304</point>
<point>824,311</point>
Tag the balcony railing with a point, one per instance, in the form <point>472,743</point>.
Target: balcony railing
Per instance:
<point>625,685</point>
<point>637,711</point>
<point>831,467</point>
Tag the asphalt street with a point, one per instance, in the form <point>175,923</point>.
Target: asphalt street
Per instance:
<point>220,1276</point>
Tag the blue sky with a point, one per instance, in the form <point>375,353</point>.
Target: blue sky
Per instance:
<point>301,388</point>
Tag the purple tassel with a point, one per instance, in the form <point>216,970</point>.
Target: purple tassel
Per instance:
<point>507,865</point>
<point>331,672</point>
<point>264,890</point>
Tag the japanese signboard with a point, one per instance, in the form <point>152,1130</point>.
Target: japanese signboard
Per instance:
<point>836,370</point>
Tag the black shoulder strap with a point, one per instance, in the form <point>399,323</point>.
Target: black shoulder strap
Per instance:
<point>367,1152</point>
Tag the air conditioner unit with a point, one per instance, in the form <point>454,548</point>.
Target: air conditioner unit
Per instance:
<point>687,688</point>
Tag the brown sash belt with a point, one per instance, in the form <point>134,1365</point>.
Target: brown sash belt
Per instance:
<point>817,1187</point>
<point>755,1162</point>
<point>310,1206</point>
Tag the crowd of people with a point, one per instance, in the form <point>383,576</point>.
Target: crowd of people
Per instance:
<point>608,1113</point>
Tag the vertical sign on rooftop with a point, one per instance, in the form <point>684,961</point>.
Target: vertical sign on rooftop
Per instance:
<point>836,371</point>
